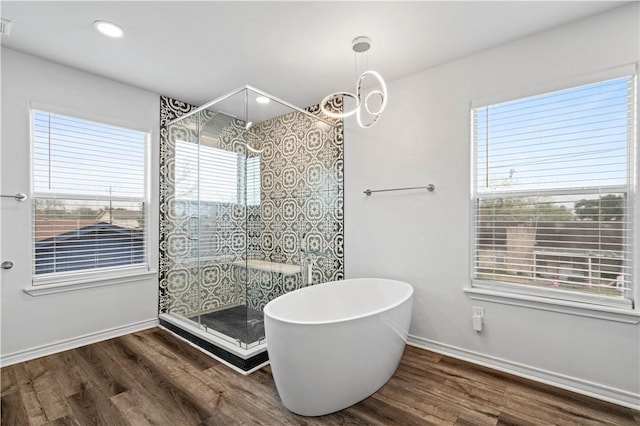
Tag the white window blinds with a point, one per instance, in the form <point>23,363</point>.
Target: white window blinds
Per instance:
<point>552,197</point>
<point>212,174</point>
<point>253,181</point>
<point>89,192</point>
<point>206,173</point>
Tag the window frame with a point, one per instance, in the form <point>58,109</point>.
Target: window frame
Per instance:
<point>542,298</point>
<point>65,281</point>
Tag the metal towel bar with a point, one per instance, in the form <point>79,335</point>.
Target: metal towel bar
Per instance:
<point>18,197</point>
<point>429,188</point>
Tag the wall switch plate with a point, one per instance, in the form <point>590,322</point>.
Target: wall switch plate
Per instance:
<point>477,323</point>
<point>477,318</point>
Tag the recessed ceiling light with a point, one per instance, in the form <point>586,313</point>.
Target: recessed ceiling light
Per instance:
<point>108,29</point>
<point>262,100</point>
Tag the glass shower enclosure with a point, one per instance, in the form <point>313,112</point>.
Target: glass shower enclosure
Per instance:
<point>251,208</point>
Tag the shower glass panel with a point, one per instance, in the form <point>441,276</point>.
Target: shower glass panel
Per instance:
<point>182,243</point>
<point>255,211</point>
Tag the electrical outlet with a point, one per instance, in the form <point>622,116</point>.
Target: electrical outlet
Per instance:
<point>477,311</point>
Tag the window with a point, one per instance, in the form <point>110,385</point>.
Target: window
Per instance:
<point>217,172</point>
<point>552,194</point>
<point>210,186</point>
<point>89,195</point>
<point>253,181</point>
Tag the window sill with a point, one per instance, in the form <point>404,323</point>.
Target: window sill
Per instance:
<point>552,305</point>
<point>81,283</point>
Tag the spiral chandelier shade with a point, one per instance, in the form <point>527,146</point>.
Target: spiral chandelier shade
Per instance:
<point>366,113</point>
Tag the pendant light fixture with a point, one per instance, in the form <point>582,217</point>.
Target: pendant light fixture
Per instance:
<point>364,96</point>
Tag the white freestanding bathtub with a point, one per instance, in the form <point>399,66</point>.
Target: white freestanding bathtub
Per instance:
<point>334,344</point>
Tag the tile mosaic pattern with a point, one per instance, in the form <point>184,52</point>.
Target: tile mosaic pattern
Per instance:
<point>301,205</point>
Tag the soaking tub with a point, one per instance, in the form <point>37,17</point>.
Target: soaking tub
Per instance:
<point>332,345</point>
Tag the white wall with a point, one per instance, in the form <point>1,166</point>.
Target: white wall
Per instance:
<point>36,325</point>
<point>424,137</point>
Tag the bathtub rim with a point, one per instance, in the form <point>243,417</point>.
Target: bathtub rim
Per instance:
<point>267,309</point>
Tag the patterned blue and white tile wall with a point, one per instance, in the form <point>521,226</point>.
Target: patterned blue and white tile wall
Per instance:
<point>301,202</point>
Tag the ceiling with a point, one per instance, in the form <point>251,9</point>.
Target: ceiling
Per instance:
<point>298,51</point>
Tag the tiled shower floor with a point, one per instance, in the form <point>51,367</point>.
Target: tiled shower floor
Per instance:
<point>241,323</point>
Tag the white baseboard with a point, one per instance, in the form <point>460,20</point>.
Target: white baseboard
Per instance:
<point>75,342</point>
<point>584,387</point>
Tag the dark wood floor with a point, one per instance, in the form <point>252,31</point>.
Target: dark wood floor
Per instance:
<point>152,378</point>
